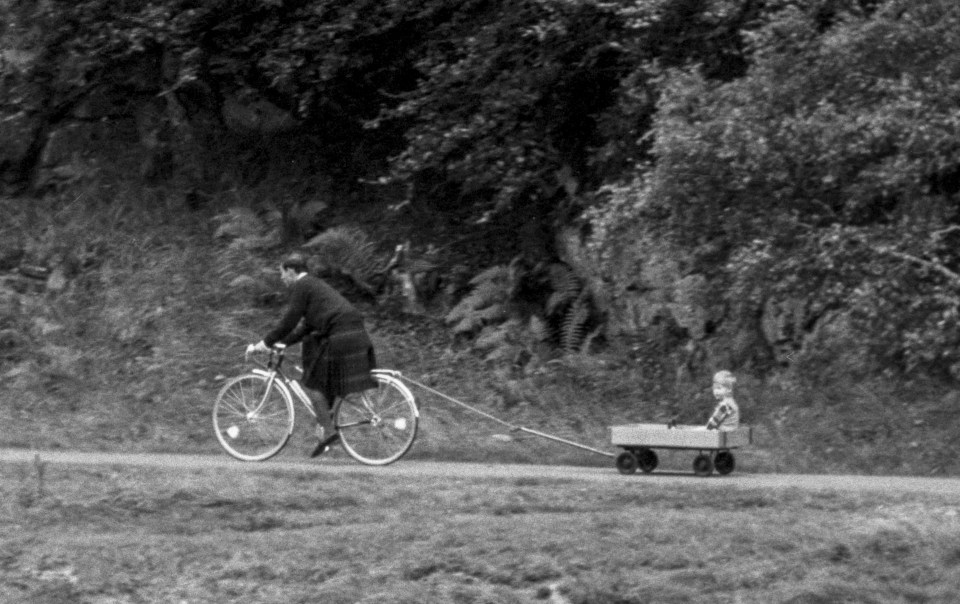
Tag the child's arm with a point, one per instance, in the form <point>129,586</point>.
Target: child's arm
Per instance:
<point>720,415</point>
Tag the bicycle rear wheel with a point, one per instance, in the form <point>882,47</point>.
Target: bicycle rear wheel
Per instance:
<point>253,417</point>
<point>378,426</point>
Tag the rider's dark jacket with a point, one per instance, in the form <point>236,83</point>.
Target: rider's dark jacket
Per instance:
<point>337,352</point>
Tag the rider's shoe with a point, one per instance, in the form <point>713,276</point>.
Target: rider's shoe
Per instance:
<point>324,445</point>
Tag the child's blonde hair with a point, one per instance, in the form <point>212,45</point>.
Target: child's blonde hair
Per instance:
<point>724,378</point>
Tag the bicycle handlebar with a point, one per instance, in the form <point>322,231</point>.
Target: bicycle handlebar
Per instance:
<point>276,356</point>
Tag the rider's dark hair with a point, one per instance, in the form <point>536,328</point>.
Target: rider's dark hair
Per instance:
<point>295,261</point>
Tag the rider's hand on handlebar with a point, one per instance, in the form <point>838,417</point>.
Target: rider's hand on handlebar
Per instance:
<point>258,347</point>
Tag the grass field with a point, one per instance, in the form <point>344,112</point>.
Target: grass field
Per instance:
<point>118,535</point>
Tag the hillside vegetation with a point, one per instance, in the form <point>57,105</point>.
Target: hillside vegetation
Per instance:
<point>124,345</point>
<point>569,213</point>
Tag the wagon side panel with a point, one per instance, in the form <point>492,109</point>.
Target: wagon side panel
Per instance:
<point>658,435</point>
<point>682,437</point>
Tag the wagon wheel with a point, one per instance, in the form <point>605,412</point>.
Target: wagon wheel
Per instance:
<point>647,460</point>
<point>724,462</point>
<point>627,463</point>
<point>702,465</point>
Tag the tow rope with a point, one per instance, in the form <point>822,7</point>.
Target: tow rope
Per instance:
<point>508,425</point>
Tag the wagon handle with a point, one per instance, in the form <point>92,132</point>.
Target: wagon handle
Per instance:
<point>562,440</point>
<point>508,425</point>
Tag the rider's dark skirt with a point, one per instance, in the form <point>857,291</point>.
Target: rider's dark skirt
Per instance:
<point>339,363</point>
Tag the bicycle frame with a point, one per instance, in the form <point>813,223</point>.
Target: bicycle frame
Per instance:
<point>287,384</point>
<point>377,426</point>
<point>291,385</point>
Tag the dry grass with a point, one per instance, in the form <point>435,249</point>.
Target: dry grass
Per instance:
<point>125,535</point>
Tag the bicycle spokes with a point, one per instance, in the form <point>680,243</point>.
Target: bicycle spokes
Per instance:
<point>253,417</point>
<point>378,426</point>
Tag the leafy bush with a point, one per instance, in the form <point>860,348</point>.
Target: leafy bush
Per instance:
<point>479,106</point>
<point>501,316</point>
<point>785,146</point>
<point>486,303</point>
<point>828,172</point>
<point>348,251</point>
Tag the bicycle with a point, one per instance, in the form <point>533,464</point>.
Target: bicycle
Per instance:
<point>253,416</point>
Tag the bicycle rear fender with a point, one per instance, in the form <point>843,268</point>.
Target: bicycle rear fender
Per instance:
<point>394,378</point>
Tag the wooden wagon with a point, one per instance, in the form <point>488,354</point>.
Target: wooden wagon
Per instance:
<point>714,446</point>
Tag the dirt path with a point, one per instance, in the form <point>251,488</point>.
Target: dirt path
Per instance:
<point>947,486</point>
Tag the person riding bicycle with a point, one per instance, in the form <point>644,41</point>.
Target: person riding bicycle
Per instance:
<point>337,352</point>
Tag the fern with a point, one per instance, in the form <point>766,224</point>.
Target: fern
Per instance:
<point>238,223</point>
<point>573,328</point>
<point>487,308</point>
<point>245,230</point>
<point>540,329</point>
<point>493,337</point>
<point>478,318</point>
<point>348,251</point>
<point>498,274</point>
<point>253,242</point>
<point>485,304</point>
<point>566,287</point>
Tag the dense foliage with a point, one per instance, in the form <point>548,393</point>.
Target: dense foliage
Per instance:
<point>796,148</point>
<point>829,172</point>
<point>480,104</point>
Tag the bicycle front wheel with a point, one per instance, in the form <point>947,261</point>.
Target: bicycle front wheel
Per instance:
<point>253,417</point>
<point>378,426</point>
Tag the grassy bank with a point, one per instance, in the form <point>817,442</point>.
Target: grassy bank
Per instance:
<point>124,535</point>
<point>129,349</point>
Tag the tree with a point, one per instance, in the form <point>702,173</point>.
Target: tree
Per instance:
<point>829,171</point>
<point>477,105</point>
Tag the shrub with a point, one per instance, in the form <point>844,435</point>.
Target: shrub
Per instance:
<point>826,173</point>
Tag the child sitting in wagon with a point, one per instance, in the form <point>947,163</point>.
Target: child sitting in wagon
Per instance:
<point>726,416</point>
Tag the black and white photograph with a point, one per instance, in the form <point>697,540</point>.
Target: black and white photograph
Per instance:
<point>479,301</point>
